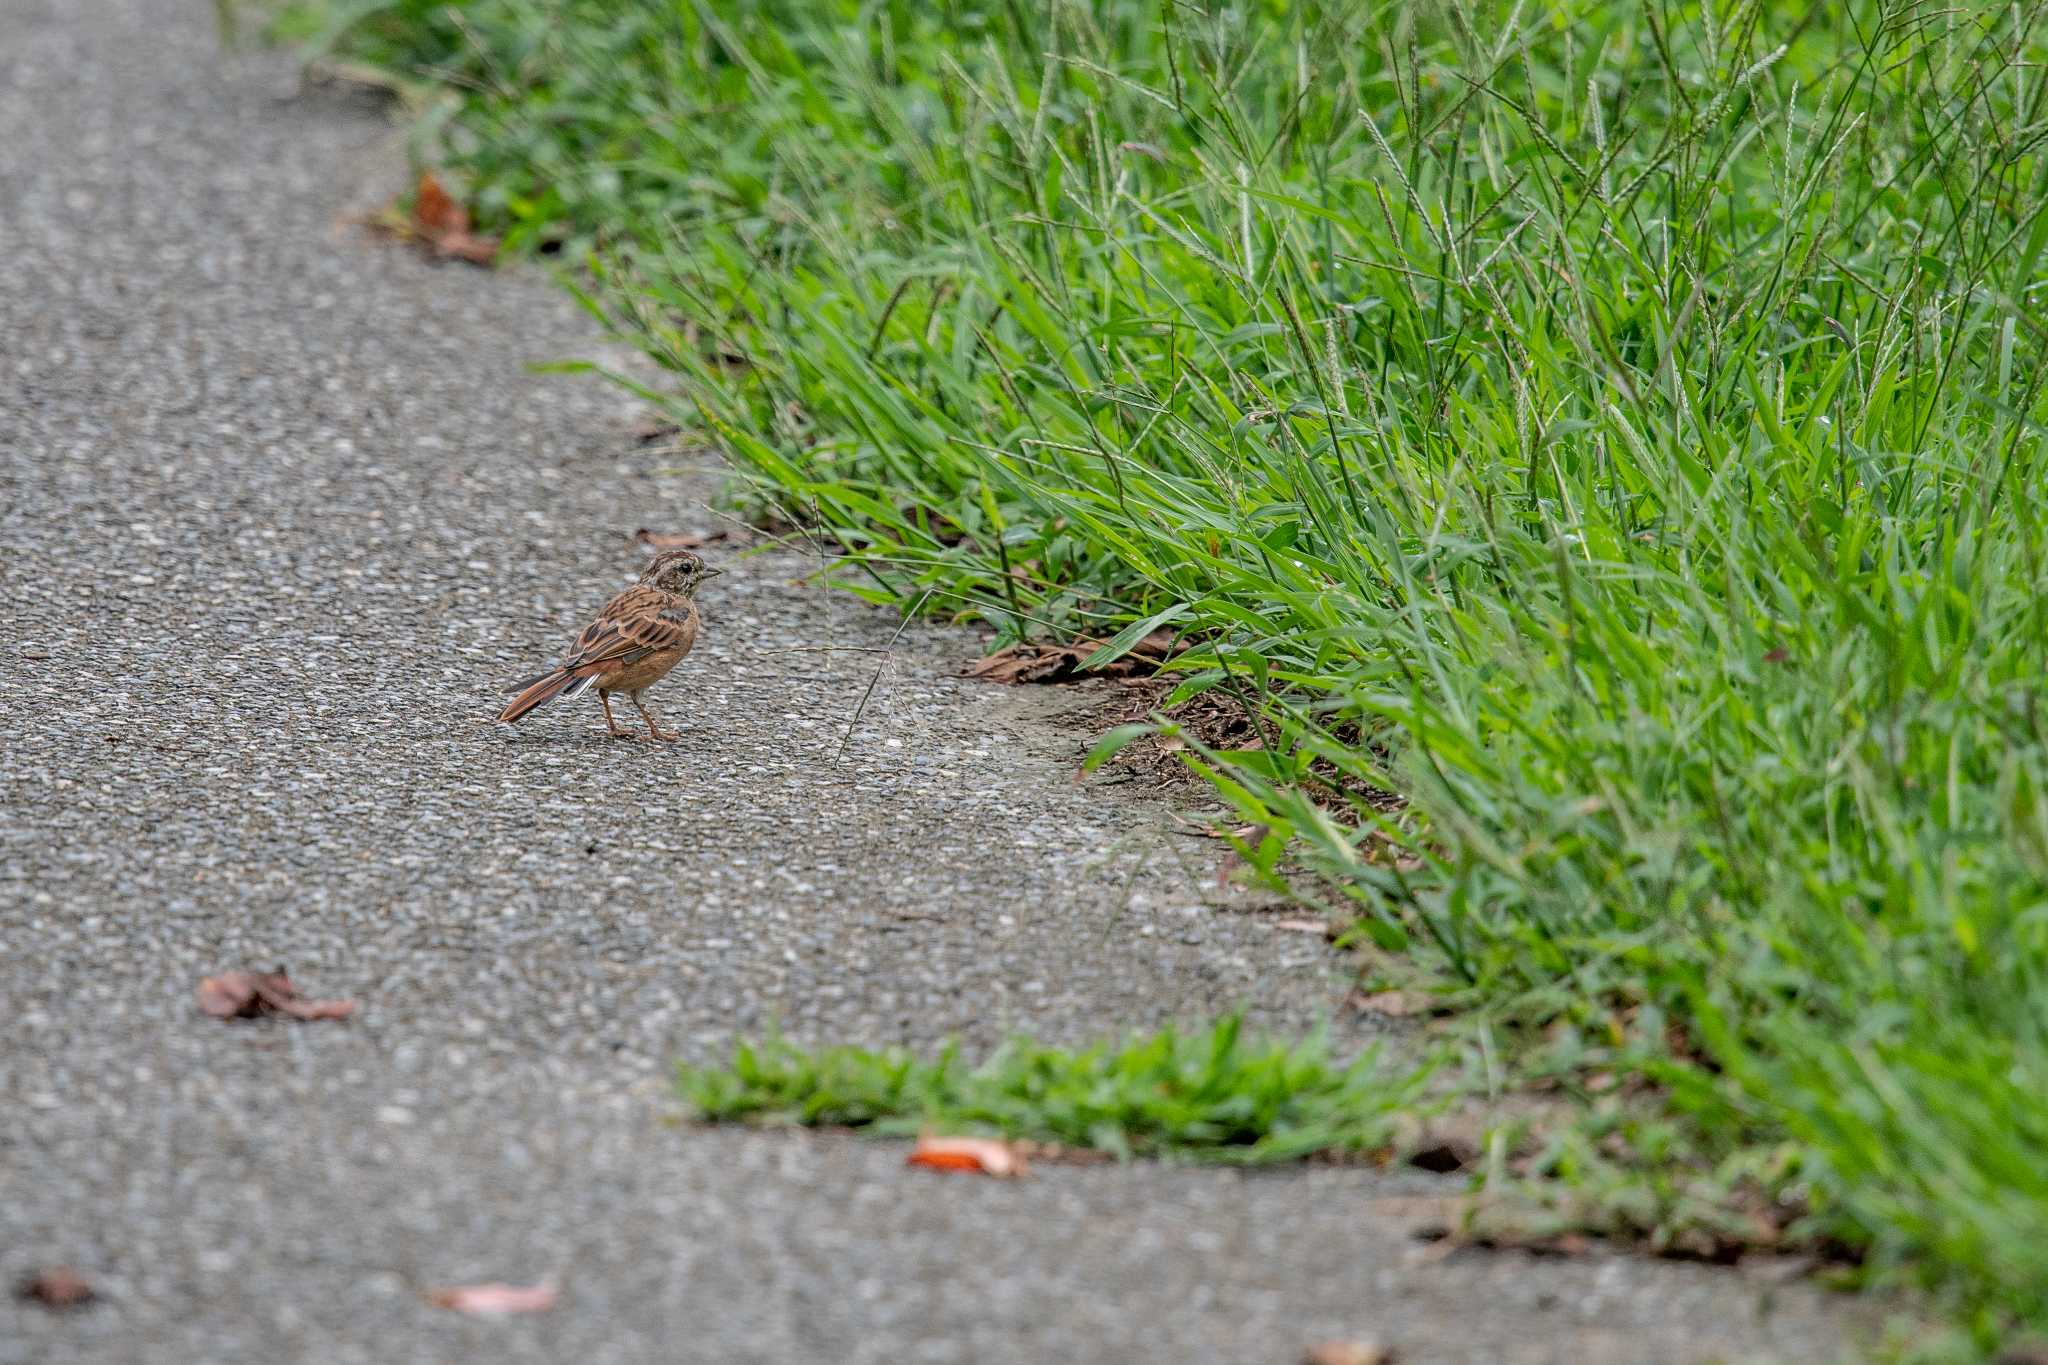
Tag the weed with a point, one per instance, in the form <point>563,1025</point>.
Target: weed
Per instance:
<point>1205,1096</point>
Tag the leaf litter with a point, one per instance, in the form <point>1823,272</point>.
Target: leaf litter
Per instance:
<point>443,223</point>
<point>1025,662</point>
<point>438,221</point>
<point>58,1286</point>
<point>256,995</point>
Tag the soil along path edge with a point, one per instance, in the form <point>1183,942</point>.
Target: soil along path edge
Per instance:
<point>284,512</point>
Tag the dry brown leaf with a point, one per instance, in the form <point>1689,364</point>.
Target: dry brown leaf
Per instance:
<point>434,211</point>
<point>989,1156</point>
<point>444,224</point>
<point>1347,1353</point>
<point>251,995</point>
<point>1040,663</point>
<point>488,1300</point>
<point>1025,663</point>
<point>59,1286</point>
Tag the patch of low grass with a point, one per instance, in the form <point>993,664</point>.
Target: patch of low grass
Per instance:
<point>1616,428</point>
<point>1210,1095</point>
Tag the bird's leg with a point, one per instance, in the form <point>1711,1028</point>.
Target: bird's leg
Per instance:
<point>652,729</point>
<point>605,700</point>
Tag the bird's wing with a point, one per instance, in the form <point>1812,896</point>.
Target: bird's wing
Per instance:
<point>630,627</point>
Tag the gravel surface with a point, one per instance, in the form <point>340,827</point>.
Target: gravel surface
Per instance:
<point>283,512</point>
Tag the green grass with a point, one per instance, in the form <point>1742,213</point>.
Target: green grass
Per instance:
<point>1615,428</point>
<point>1203,1097</point>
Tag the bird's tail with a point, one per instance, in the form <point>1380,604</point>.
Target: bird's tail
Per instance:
<point>560,683</point>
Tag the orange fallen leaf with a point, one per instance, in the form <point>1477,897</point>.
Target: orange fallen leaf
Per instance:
<point>251,995</point>
<point>492,1299</point>
<point>986,1155</point>
<point>441,221</point>
<point>57,1287</point>
<point>434,211</point>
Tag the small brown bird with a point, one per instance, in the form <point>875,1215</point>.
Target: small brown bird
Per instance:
<point>639,636</point>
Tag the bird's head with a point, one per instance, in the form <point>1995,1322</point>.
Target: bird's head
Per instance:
<point>680,572</point>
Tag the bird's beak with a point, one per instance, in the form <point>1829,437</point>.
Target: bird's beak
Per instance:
<point>710,572</point>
